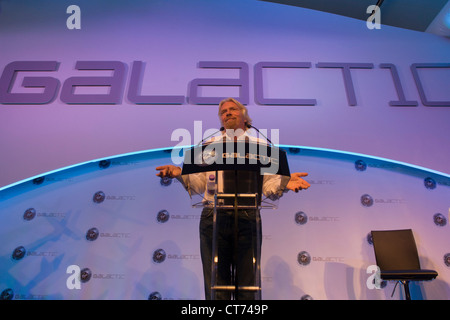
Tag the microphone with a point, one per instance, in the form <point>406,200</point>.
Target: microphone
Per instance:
<point>250,126</point>
<point>221,129</point>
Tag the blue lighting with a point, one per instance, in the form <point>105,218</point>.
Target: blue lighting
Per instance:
<point>324,150</point>
<point>447,19</point>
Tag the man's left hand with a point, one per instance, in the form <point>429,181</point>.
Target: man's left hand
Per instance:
<point>296,183</point>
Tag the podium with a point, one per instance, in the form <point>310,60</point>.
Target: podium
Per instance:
<point>233,180</point>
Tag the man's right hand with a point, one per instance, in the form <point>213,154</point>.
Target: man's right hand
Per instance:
<point>168,171</point>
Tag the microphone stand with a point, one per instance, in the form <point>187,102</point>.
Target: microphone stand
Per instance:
<point>250,126</point>
<point>221,129</point>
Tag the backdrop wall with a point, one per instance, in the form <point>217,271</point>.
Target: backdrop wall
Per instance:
<point>171,39</point>
<point>110,229</point>
<point>135,73</point>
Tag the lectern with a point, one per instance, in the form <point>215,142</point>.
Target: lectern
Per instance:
<point>240,177</point>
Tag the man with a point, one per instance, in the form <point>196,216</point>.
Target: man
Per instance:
<point>235,120</point>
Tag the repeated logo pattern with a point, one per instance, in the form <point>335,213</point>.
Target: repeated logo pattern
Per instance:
<point>163,255</point>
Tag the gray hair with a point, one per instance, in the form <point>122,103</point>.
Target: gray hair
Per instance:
<point>243,109</point>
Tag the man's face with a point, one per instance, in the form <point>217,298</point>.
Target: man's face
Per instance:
<point>231,116</point>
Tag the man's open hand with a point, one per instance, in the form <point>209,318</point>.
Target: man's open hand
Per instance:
<point>296,183</point>
<point>168,171</point>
